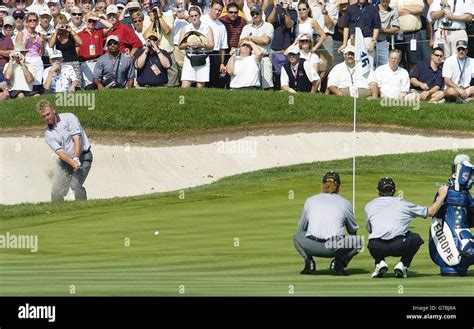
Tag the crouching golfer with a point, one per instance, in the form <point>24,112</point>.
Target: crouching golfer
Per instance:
<point>65,136</point>
<point>321,228</point>
<point>388,219</point>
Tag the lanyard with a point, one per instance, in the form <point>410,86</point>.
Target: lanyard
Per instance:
<point>351,74</point>
<point>461,70</point>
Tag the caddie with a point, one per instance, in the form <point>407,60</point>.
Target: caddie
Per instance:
<point>67,139</point>
<point>321,228</point>
<point>387,221</point>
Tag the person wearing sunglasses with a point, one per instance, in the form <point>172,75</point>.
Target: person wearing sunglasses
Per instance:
<point>152,63</point>
<point>19,17</point>
<point>68,5</point>
<point>9,27</point>
<point>129,42</point>
<point>34,43</point>
<point>457,74</point>
<point>6,46</point>
<point>77,24</point>
<point>427,79</point>
<point>114,69</point>
<point>92,47</point>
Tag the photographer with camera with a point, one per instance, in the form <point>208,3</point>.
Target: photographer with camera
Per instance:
<point>152,63</point>
<point>17,73</point>
<point>46,29</point>
<point>163,22</point>
<point>59,77</point>
<point>450,18</point>
<point>283,19</point>
<point>114,69</point>
<point>243,66</point>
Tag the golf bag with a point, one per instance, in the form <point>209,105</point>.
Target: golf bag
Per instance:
<point>451,242</point>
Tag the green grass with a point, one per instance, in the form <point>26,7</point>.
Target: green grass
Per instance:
<point>178,110</point>
<point>83,243</point>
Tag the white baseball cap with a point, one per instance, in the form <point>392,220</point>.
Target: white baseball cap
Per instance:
<point>4,8</point>
<point>111,9</point>
<point>55,54</point>
<point>8,20</point>
<point>349,49</point>
<point>293,50</point>
<point>43,11</point>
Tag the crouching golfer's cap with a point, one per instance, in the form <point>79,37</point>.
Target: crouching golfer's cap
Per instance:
<point>332,176</point>
<point>386,184</point>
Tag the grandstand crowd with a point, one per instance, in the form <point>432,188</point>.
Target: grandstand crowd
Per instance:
<point>417,49</point>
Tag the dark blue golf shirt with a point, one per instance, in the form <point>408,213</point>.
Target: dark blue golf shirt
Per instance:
<point>424,73</point>
<point>366,17</point>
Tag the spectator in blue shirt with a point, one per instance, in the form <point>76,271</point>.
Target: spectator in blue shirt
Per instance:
<point>365,16</point>
<point>427,79</point>
<point>152,62</point>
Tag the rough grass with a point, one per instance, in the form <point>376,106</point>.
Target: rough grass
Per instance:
<point>179,110</point>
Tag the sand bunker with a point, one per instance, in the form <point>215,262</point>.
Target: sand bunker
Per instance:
<point>26,163</point>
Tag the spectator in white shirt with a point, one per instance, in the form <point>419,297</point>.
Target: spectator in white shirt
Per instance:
<point>345,77</point>
<point>59,77</point>
<point>393,81</point>
<point>243,66</point>
<point>458,71</point>
<point>450,18</point>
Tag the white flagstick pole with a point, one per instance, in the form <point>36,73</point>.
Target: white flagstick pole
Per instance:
<point>354,146</point>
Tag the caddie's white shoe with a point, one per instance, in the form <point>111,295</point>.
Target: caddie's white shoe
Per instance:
<point>380,269</point>
<point>400,270</point>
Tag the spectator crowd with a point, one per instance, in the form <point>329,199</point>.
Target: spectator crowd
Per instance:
<point>417,49</point>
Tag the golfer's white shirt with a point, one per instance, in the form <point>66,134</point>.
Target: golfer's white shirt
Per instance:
<point>392,83</point>
<point>326,215</point>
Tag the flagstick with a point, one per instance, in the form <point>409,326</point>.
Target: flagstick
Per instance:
<point>354,154</point>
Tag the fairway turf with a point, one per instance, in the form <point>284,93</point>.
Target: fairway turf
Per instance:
<point>231,238</point>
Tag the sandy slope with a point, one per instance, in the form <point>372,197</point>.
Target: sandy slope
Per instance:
<point>26,163</point>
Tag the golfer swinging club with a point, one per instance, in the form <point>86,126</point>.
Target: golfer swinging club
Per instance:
<point>67,139</point>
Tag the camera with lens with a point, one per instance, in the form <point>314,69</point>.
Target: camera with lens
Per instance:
<point>445,21</point>
<point>16,55</point>
<point>237,52</point>
<point>148,43</point>
<point>155,5</point>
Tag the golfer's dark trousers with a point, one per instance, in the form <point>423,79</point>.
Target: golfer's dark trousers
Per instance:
<point>404,246</point>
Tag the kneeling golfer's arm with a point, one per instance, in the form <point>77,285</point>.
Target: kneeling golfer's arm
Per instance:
<point>433,209</point>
